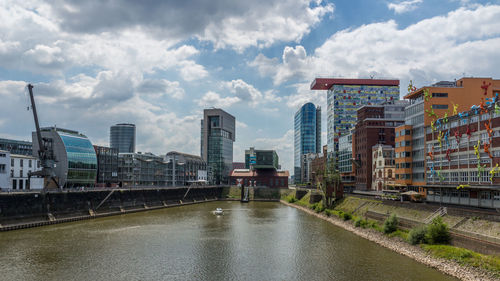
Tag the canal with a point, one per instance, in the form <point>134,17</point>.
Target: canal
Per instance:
<point>254,241</point>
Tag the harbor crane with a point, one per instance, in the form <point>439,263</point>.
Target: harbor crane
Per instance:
<point>45,151</point>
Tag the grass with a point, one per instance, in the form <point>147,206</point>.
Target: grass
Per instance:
<point>465,257</point>
<point>403,234</point>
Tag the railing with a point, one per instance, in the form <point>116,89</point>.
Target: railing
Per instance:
<point>438,213</point>
<point>129,187</point>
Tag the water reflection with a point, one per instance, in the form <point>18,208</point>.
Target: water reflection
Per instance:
<point>254,241</point>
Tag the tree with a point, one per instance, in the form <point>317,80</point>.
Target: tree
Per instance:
<point>332,183</point>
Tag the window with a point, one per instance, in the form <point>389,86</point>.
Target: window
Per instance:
<point>14,184</point>
<point>439,95</point>
<point>12,162</point>
<point>3,155</point>
<point>29,163</point>
<point>2,168</point>
<point>439,106</point>
<point>20,162</point>
<point>20,175</point>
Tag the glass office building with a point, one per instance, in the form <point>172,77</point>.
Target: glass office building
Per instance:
<point>217,137</point>
<point>122,137</point>
<point>307,137</point>
<point>76,161</point>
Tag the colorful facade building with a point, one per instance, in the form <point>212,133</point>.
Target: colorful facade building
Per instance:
<point>463,156</point>
<point>427,104</point>
<point>383,167</point>
<point>344,97</point>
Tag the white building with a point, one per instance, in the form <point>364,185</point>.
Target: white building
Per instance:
<point>20,166</point>
<point>384,168</point>
<point>4,169</point>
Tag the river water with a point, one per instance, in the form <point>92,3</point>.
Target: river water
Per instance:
<point>253,241</point>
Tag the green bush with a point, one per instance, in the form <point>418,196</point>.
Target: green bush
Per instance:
<point>417,235</point>
<point>291,199</point>
<point>391,224</point>
<point>438,232</point>
<point>346,216</point>
<point>358,222</point>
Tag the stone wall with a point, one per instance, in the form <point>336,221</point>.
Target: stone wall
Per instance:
<point>18,208</point>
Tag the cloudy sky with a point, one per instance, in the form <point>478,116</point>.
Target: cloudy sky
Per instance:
<point>159,63</point>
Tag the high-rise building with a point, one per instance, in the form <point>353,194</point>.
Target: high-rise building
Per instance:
<point>307,124</point>
<point>344,97</point>
<point>122,137</point>
<point>76,164</point>
<point>217,136</point>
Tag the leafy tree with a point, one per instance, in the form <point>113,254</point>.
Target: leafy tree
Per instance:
<point>438,232</point>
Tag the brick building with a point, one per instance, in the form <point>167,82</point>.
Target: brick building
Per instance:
<point>375,125</point>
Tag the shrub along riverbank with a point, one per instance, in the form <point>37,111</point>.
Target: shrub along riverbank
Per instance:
<point>433,239</point>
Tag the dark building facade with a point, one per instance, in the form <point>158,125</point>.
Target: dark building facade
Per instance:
<point>122,137</point>
<point>107,166</point>
<point>194,169</point>
<point>375,125</point>
<point>17,147</point>
<point>217,136</point>
<point>261,159</point>
<point>307,135</point>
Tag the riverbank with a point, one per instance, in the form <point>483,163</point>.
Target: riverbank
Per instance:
<point>393,243</point>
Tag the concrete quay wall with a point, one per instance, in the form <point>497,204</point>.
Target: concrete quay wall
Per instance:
<point>23,210</point>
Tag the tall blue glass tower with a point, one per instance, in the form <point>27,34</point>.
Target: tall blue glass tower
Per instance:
<point>307,126</point>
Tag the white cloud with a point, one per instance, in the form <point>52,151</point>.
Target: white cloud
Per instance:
<point>240,125</point>
<point>213,99</point>
<point>438,48</point>
<point>283,146</point>
<point>244,91</point>
<point>404,6</point>
<point>160,87</point>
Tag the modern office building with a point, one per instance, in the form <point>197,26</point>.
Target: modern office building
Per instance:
<point>345,164</point>
<point>427,104</point>
<point>107,166</point>
<point>261,159</point>
<point>383,167</point>
<point>307,135</point>
<point>122,137</point>
<point>375,125</point>
<point>143,169</point>
<point>76,160</point>
<point>218,133</point>
<point>194,169</point>
<point>344,97</point>
<point>17,146</point>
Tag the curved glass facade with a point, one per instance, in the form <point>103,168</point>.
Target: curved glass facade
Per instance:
<point>122,137</point>
<point>82,160</point>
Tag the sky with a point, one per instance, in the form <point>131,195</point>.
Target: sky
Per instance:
<point>158,64</point>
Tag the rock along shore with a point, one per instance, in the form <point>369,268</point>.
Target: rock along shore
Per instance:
<point>446,266</point>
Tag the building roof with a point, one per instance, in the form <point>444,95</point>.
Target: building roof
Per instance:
<point>327,83</point>
<point>22,156</point>
<point>254,173</point>
<point>183,154</point>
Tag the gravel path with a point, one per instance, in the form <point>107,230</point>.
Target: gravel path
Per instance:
<point>446,266</point>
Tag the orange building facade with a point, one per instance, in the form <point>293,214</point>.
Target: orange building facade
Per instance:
<point>428,104</point>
